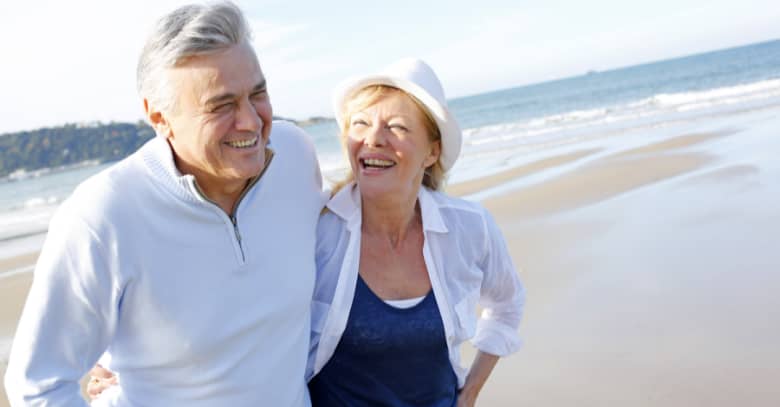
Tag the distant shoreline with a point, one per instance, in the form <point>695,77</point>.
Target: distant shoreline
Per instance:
<point>300,122</point>
<point>22,174</point>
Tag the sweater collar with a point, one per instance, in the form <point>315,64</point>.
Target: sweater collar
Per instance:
<point>346,204</point>
<point>158,156</point>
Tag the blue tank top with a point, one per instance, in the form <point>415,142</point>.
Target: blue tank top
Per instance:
<point>388,357</point>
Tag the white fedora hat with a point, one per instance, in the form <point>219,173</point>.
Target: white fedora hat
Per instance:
<point>416,78</point>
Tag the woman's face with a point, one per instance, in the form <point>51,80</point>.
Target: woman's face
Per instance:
<point>389,148</point>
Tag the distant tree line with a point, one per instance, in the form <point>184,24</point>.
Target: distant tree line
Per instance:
<point>75,143</point>
<point>70,144</point>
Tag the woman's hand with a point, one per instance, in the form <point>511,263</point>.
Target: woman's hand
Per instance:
<point>478,374</point>
<point>466,399</point>
<point>100,379</point>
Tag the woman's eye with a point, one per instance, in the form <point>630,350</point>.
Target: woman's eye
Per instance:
<point>399,127</point>
<point>359,122</point>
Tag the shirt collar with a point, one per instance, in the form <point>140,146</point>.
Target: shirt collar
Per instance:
<point>346,205</point>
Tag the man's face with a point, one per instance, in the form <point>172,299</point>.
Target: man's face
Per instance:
<point>220,124</point>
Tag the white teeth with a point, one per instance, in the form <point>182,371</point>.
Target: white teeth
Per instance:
<point>243,143</point>
<point>375,162</point>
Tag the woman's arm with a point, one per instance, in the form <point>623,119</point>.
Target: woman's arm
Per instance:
<point>502,296</point>
<point>478,374</point>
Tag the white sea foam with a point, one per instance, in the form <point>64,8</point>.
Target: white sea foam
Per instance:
<point>19,224</point>
<point>684,101</point>
<point>39,202</point>
<point>742,92</point>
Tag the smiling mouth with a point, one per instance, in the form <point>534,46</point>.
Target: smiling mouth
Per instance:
<point>376,163</point>
<point>249,143</point>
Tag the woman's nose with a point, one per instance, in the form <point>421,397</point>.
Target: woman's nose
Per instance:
<point>375,136</point>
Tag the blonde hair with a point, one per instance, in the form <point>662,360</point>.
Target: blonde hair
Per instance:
<point>370,95</point>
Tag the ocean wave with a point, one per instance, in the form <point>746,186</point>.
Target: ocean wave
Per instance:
<point>701,99</point>
<point>657,108</point>
<point>19,224</point>
<point>569,117</point>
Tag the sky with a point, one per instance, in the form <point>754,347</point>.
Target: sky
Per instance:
<point>74,61</point>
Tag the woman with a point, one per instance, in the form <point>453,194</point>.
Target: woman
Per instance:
<point>402,266</point>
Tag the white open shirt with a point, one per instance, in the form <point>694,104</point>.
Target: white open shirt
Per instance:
<point>467,261</point>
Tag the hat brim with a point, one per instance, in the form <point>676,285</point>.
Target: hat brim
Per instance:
<point>451,137</point>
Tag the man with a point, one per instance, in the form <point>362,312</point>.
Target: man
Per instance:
<point>191,262</point>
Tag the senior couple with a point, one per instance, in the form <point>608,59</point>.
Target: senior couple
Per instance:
<point>204,271</point>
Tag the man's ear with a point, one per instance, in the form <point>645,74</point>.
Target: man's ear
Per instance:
<point>157,120</point>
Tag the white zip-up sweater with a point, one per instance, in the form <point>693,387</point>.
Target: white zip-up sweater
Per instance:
<point>192,309</point>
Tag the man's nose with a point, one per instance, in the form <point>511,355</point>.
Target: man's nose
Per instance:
<point>247,118</point>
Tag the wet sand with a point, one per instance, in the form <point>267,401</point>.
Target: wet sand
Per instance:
<point>652,276</point>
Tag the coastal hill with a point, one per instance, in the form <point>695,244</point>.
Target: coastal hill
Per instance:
<point>25,152</point>
<point>52,147</point>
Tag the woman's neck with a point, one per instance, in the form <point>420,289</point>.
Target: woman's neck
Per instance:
<point>392,218</point>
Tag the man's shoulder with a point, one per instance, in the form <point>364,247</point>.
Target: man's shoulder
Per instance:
<point>288,136</point>
<point>107,189</point>
<point>294,155</point>
<point>330,224</point>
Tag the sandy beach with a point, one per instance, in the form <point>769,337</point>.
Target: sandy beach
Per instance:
<point>650,262</point>
<point>651,275</point>
<point>13,291</point>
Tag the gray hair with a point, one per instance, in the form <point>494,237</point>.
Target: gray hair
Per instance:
<point>192,30</point>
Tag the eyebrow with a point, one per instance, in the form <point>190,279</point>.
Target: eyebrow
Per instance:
<point>261,86</point>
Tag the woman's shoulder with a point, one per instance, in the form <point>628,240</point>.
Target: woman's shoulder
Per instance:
<point>451,206</point>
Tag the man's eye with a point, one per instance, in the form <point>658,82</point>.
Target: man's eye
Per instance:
<point>222,108</point>
<point>259,95</point>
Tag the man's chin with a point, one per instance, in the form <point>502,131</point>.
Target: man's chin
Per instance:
<point>246,172</point>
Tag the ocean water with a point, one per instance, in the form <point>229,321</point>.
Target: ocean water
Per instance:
<point>504,126</point>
